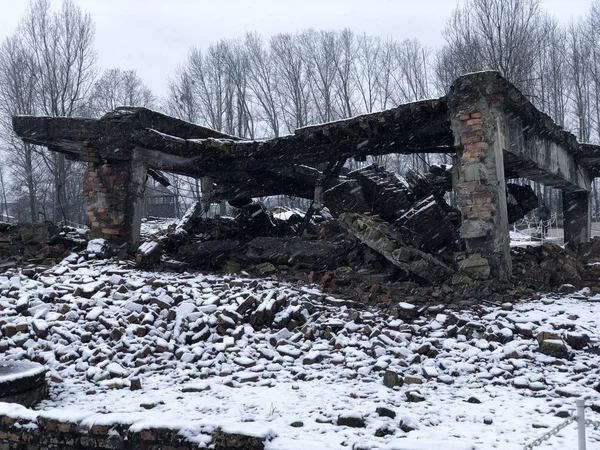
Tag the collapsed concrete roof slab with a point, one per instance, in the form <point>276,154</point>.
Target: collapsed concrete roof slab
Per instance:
<point>492,128</point>
<point>113,136</point>
<point>171,144</point>
<point>536,147</point>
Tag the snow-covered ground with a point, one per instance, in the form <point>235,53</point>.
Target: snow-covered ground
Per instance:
<point>555,236</point>
<point>205,358</point>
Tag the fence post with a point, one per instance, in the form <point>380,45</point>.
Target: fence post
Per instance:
<point>581,422</point>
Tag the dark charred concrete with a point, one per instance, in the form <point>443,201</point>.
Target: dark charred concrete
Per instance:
<point>494,130</point>
<point>577,219</point>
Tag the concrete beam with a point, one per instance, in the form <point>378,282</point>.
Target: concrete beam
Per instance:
<point>170,144</point>
<point>532,154</point>
<point>134,201</point>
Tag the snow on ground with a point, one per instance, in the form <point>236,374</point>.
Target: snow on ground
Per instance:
<point>215,351</point>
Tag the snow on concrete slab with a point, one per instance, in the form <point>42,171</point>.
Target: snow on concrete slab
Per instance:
<point>16,370</point>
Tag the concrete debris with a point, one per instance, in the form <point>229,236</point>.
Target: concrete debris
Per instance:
<point>520,201</point>
<point>381,236</point>
<point>385,240</point>
<point>475,266</point>
<point>405,231</point>
<point>38,243</point>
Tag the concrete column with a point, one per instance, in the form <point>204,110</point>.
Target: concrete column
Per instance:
<point>577,217</point>
<point>207,192</point>
<point>115,193</point>
<point>134,206</point>
<point>478,125</point>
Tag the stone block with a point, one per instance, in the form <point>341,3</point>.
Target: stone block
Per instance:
<point>475,228</point>
<point>392,379</point>
<point>475,266</point>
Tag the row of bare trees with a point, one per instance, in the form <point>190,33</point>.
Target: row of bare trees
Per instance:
<point>264,88</point>
<point>255,87</point>
<point>45,68</point>
<point>48,67</point>
<point>557,67</point>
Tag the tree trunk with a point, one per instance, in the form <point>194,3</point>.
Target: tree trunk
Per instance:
<point>60,176</point>
<point>30,182</point>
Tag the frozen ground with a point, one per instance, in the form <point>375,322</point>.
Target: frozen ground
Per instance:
<point>555,236</point>
<point>215,351</point>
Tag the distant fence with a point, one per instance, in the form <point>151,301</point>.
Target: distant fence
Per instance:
<point>535,231</point>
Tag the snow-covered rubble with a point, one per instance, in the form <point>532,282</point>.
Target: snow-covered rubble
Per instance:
<point>291,363</point>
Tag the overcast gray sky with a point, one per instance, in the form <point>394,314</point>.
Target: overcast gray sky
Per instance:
<point>154,36</point>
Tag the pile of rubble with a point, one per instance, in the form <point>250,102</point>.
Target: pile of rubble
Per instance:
<point>177,343</point>
<point>38,243</point>
<point>420,222</point>
<point>378,237</point>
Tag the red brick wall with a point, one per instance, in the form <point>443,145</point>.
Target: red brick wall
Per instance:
<point>18,434</point>
<point>105,186</point>
<point>42,433</point>
<point>475,198</point>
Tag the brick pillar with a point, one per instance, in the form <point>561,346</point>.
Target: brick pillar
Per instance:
<point>479,133</point>
<point>577,218</point>
<point>115,193</point>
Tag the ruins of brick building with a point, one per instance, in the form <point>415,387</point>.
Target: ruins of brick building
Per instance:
<point>492,130</point>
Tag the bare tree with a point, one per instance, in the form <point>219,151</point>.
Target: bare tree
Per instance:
<point>292,78</point>
<point>18,97</point>
<point>239,114</point>
<point>388,63</point>
<point>503,35</point>
<point>261,81</point>
<point>210,84</point>
<point>319,48</point>
<point>345,83</point>
<point>579,54</point>
<point>368,69</point>
<point>412,81</point>
<point>181,99</point>
<point>462,52</point>
<point>553,87</point>
<point>591,25</point>
<point>118,87</point>
<point>62,47</point>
